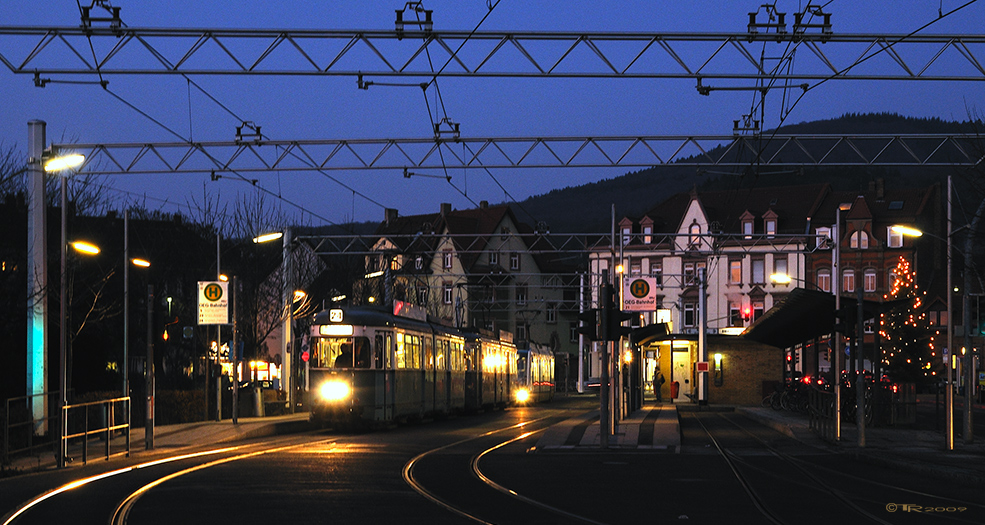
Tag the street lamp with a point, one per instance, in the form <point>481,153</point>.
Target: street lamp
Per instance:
<point>55,163</point>
<point>966,304</point>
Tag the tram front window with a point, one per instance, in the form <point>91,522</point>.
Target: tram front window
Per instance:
<point>342,352</point>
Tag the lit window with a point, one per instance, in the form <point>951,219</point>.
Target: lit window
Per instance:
<point>869,280</point>
<point>647,234</point>
<point>848,281</point>
<point>824,280</point>
<point>694,239</point>
<point>895,238</point>
<point>823,236</point>
<point>735,272</point>
<point>859,240</point>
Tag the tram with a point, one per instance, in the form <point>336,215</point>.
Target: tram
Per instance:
<point>535,370</point>
<point>371,367</point>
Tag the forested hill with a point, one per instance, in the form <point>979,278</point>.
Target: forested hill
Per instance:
<point>587,208</point>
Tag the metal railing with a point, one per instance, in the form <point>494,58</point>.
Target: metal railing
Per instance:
<point>821,409</point>
<point>22,432</point>
<point>77,419</point>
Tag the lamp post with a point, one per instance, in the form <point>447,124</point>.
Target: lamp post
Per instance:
<point>949,358</point>
<point>60,164</point>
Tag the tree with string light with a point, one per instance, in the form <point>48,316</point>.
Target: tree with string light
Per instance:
<point>906,334</point>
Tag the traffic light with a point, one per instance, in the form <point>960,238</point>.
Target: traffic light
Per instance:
<point>616,329</point>
<point>845,323</point>
<point>611,318</point>
<point>746,313</point>
<point>589,324</point>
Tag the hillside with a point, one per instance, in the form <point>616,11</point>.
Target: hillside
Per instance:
<point>638,191</point>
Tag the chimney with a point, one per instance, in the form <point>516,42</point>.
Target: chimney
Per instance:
<point>389,215</point>
<point>483,205</point>
<point>445,209</point>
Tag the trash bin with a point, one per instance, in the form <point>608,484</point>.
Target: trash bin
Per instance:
<point>675,389</point>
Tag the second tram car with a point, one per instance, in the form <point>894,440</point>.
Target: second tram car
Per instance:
<point>368,366</point>
<point>535,370</point>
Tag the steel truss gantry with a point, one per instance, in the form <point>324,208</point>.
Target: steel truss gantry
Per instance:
<point>368,54</point>
<point>439,153</point>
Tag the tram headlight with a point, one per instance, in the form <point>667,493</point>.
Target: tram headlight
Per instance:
<point>335,390</point>
<point>522,395</point>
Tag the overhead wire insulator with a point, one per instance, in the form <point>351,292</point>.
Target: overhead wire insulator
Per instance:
<point>252,133</point>
<point>774,20</point>
<point>812,11</point>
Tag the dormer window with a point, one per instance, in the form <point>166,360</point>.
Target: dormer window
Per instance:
<point>859,240</point>
<point>747,229</point>
<point>823,237</point>
<point>770,227</point>
<point>694,236</point>
<point>627,235</point>
<point>647,234</point>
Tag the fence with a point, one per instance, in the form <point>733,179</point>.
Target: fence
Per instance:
<point>23,434</point>
<point>77,420</point>
<point>892,405</point>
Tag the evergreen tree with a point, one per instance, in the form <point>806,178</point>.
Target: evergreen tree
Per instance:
<point>905,332</point>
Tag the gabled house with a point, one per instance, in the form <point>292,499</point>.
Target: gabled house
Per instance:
<point>474,268</point>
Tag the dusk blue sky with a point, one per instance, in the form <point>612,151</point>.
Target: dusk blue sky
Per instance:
<point>333,108</point>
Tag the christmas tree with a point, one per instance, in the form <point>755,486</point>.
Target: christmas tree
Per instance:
<point>907,339</point>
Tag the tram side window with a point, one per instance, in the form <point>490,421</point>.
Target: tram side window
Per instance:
<point>428,353</point>
<point>362,352</point>
<point>408,351</point>
<point>380,352</point>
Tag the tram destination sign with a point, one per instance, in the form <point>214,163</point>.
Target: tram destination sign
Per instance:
<point>213,302</point>
<point>640,294</point>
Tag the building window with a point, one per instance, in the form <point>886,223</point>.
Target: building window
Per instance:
<point>521,295</point>
<point>690,314</point>
<point>550,315</point>
<point>493,258</point>
<point>868,326</point>
<point>757,309</point>
<point>735,272</point>
<point>734,314</point>
<point>758,271</point>
<point>446,258</point>
<point>573,332</point>
<point>770,227</point>
<point>869,280</point>
<point>657,271</point>
<point>859,240</point>
<point>635,267</point>
<point>419,263</point>
<point>504,233</point>
<point>514,261</point>
<point>848,281</point>
<point>521,330</point>
<point>747,229</point>
<point>694,236</point>
<point>823,237</point>
<point>446,295</point>
<point>780,264</point>
<point>895,238</point>
<point>422,294</point>
<point>891,278</point>
<point>824,280</point>
<point>627,236</point>
<point>647,234</point>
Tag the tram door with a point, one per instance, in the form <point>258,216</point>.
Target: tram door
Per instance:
<point>384,376</point>
<point>681,366</point>
<point>428,375</point>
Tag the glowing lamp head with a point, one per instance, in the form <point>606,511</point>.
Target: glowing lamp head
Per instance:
<point>335,390</point>
<point>522,395</point>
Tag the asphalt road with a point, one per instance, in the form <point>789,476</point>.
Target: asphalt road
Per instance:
<point>478,469</point>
